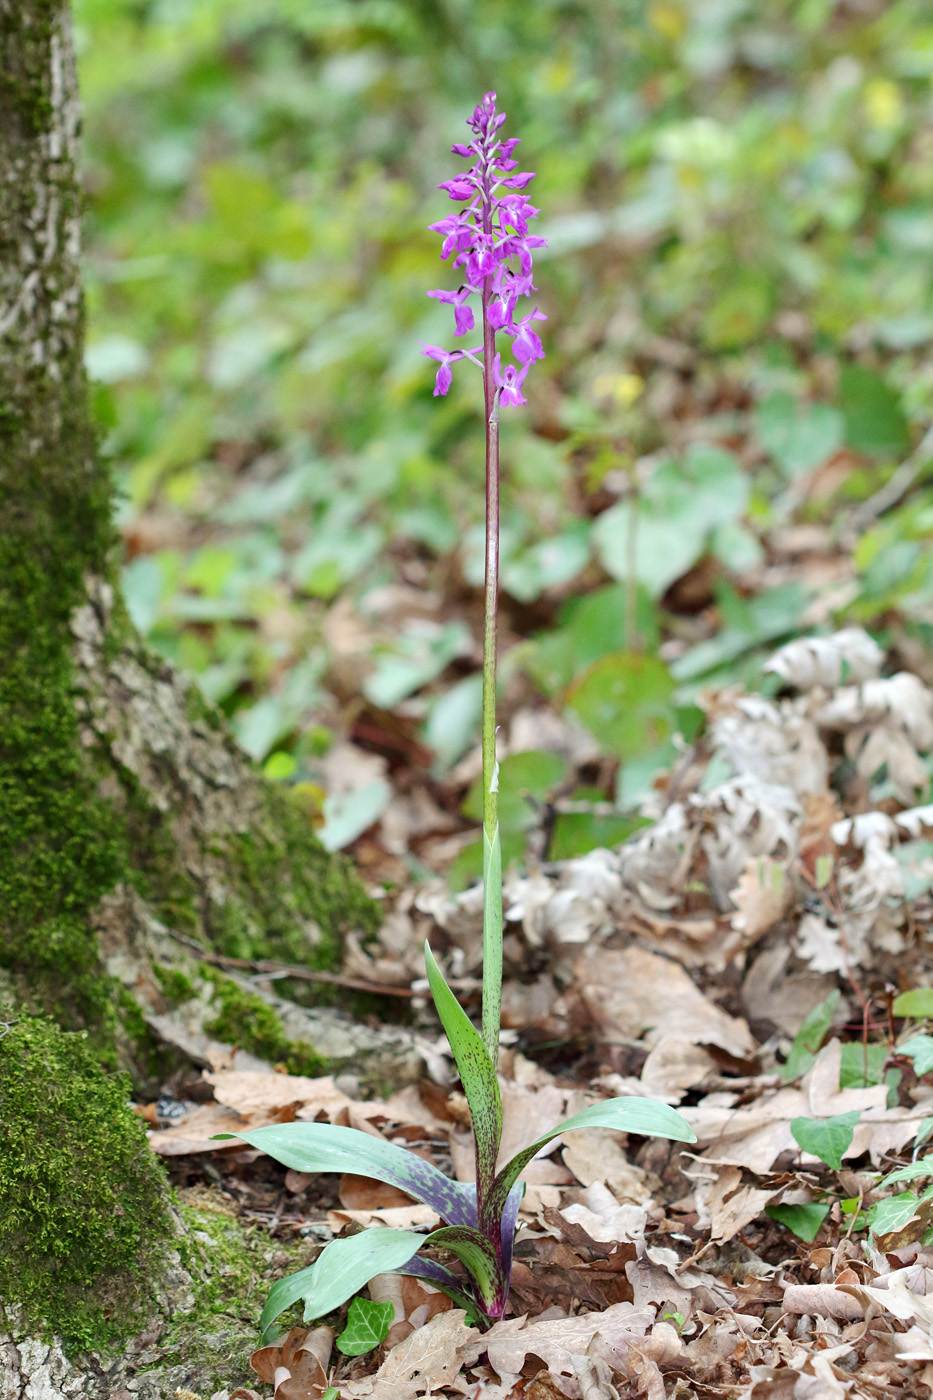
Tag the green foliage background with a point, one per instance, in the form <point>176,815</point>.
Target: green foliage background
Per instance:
<point>738,198</point>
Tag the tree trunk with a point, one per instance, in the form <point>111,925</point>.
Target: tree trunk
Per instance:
<point>136,842</point>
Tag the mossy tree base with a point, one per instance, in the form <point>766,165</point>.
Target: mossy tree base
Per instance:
<point>127,815</point>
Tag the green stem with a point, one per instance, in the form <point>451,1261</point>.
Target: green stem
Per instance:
<point>492,869</point>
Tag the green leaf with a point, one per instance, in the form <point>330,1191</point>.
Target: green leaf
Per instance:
<point>673,516</point>
<point>810,1037</point>
<point>799,437</point>
<point>917,1003</point>
<point>532,774</point>
<point>480,1084</point>
<point>646,1117</point>
<point>803,1220</point>
<point>913,1171</point>
<point>861,1065</point>
<point>575,833</point>
<point>348,814</point>
<point>340,1270</point>
<point>893,1213</point>
<point>826,1138</point>
<point>325,1147</point>
<point>368,1325</point>
<point>454,721</point>
<point>919,1049</point>
<point>625,701</point>
<point>874,420</point>
<point>479,1257</point>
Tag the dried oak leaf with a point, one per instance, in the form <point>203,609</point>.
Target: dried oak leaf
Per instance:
<point>430,1359</point>
<point>297,1364</point>
<point>557,1341</point>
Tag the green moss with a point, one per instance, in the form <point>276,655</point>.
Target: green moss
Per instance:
<point>232,1265</point>
<point>82,1198</point>
<point>176,986</point>
<point>245,1020</point>
<point>282,881</point>
<point>148,1058</point>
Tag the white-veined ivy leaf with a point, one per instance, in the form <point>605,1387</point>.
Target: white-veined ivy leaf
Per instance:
<point>912,1172</point>
<point>480,1084</point>
<point>646,1117</point>
<point>919,1049</point>
<point>340,1270</point>
<point>367,1326</point>
<point>826,1138</point>
<point>325,1147</point>
<point>893,1213</point>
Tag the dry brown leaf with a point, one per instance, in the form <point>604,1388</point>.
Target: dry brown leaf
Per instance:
<point>761,897</point>
<point>297,1364</point>
<point>364,1193</point>
<point>430,1359</point>
<point>408,1217</point>
<point>254,1095</point>
<point>415,1303</point>
<point>594,1155</point>
<point>196,1132</point>
<point>604,1218</point>
<point>732,1206</point>
<point>821,1300</point>
<point>674,1065</point>
<point>631,993</point>
<point>558,1340</point>
<point>825,661</point>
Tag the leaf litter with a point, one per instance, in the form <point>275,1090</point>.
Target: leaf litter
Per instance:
<point>740,957</point>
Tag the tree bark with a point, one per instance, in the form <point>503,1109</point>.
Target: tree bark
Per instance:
<point>136,842</point>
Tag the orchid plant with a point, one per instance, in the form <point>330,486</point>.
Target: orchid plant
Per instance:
<point>491,243</point>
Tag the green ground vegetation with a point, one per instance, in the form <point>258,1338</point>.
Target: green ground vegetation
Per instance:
<point>83,1201</point>
<point>739,288</point>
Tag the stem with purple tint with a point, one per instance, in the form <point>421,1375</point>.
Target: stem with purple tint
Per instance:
<point>492,915</point>
<point>492,244</point>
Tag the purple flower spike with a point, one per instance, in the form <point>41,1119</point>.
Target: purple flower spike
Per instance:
<point>490,243</point>
<point>509,382</point>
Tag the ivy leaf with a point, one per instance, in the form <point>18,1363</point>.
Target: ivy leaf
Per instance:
<point>919,1048</point>
<point>803,1219</point>
<point>918,1002</point>
<point>809,1038</point>
<point>826,1138</point>
<point>367,1326</point>
<point>341,1269</point>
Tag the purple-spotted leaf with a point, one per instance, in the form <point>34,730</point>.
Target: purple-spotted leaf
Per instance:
<point>477,1073</point>
<point>457,1289</point>
<point>626,1115</point>
<point>479,1256</point>
<point>325,1147</point>
<point>340,1270</point>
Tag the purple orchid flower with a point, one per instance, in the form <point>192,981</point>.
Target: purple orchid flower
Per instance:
<point>488,239</point>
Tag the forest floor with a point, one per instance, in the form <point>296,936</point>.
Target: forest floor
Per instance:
<point>758,955</point>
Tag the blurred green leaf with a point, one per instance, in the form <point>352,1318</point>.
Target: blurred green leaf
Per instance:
<point>874,420</point>
<point>799,437</point>
<point>625,701</point>
<point>803,1220</point>
<point>918,1003</point>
